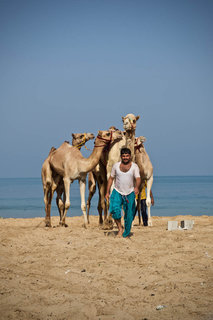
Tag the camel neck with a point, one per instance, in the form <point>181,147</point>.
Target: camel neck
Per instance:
<point>130,142</point>
<point>91,162</point>
<point>130,134</point>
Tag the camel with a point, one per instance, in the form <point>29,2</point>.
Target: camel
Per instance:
<point>128,140</point>
<point>102,172</point>
<point>98,175</point>
<point>146,172</point>
<point>53,182</point>
<point>69,163</point>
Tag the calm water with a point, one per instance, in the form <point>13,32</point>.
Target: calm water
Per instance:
<point>23,198</point>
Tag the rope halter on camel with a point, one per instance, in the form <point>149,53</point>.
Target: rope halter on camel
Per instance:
<point>106,140</point>
<point>140,145</point>
<point>137,147</point>
<point>82,143</point>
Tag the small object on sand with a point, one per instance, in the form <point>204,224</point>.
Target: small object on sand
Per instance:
<point>172,225</point>
<point>160,307</point>
<point>83,270</point>
<point>67,271</point>
<point>110,234</point>
<point>187,224</point>
<point>206,253</point>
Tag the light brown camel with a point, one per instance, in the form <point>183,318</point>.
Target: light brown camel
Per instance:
<point>68,162</point>
<point>128,140</point>
<point>146,172</point>
<point>102,172</point>
<point>53,182</point>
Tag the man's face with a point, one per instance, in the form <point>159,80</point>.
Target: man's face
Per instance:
<point>125,158</point>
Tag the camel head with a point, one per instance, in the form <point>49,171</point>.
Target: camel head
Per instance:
<point>79,139</point>
<point>107,137</point>
<point>129,122</point>
<point>139,142</point>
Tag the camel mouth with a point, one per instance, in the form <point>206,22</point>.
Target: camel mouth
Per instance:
<point>118,138</point>
<point>128,128</point>
<point>119,134</point>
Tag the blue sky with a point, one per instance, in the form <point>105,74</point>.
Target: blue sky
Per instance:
<point>76,66</point>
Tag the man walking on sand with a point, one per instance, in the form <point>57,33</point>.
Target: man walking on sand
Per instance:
<point>127,181</point>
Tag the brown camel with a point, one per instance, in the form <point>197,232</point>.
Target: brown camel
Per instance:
<point>98,175</point>
<point>102,172</point>
<point>69,163</point>
<point>146,172</point>
<point>53,182</point>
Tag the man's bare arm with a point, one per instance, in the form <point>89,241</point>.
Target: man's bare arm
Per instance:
<point>109,184</point>
<point>137,185</point>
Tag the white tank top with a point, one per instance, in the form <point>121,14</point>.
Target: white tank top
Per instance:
<point>124,181</point>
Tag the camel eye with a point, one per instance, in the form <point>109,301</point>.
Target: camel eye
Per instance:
<point>82,136</point>
<point>134,121</point>
<point>108,134</point>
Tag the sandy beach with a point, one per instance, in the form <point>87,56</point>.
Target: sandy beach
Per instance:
<point>77,273</point>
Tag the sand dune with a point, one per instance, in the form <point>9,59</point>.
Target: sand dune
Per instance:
<point>76,273</point>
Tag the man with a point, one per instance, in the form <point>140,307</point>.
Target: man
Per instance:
<point>143,204</point>
<point>127,181</point>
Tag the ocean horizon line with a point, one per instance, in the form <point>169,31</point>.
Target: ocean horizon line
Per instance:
<point>155,176</point>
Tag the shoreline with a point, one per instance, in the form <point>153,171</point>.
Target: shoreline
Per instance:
<point>77,273</point>
<point>182,216</point>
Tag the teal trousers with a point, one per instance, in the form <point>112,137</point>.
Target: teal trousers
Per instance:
<point>128,203</point>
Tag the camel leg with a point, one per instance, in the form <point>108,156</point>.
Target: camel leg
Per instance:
<point>100,209</point>
<point>47,214</point>
<point>82,184</point>
<point>101,203</point>
<point>92,189</point>
<point>48,194</point>
<point>103,200</point>
<point>148,200</point>
<point>67,200</point>
<point>60,202</point>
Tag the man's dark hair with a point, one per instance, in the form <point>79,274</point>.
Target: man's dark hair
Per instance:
<point>125,150</point>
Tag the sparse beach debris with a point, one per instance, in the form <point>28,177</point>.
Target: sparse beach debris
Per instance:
<point>206,253</point>
<point>160,307</point>
<point>187,224</point>
<point>184,225</point>
<point>67,271</point>
<point>172,225</point>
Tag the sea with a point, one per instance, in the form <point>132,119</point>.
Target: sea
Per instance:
<point>173,195</point>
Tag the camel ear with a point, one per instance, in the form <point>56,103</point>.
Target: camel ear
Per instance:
<point>138,117</point>
<point>143,139</point>
<point>123,119</point>
<point>73,135</point>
